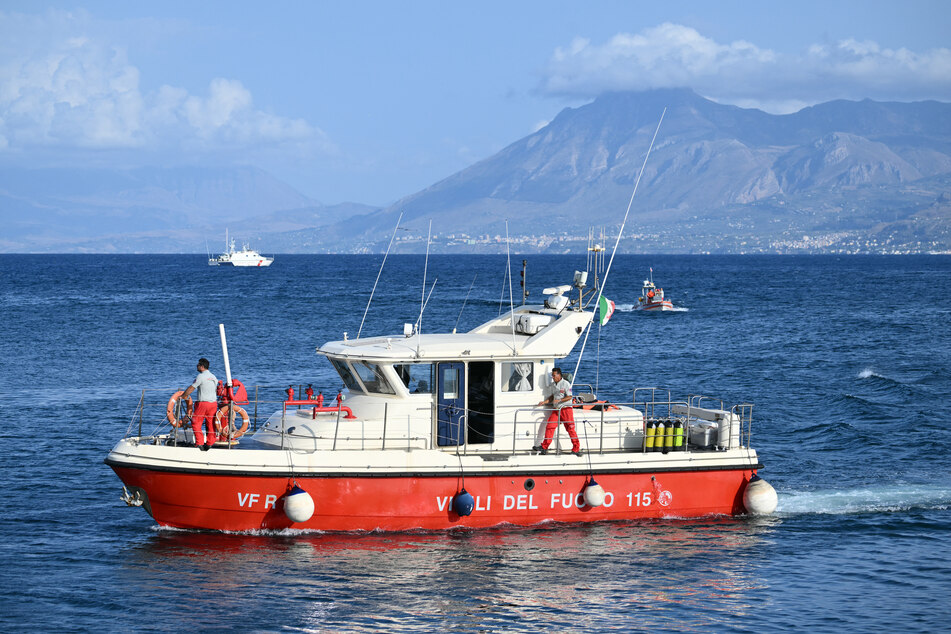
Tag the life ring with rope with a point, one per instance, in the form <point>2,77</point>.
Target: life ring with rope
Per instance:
<point>171,407</point>
<point>223,422</point>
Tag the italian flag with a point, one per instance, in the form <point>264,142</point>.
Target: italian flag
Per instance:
<point>605,309</point>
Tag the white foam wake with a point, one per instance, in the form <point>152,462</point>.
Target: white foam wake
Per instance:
<point>872,499</point>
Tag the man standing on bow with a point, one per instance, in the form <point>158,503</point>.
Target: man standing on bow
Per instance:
<point>559,395</point>
<point>206,405</point>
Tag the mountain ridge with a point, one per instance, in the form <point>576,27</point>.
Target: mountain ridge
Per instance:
<point>579,170</point>
<point>720,178</point>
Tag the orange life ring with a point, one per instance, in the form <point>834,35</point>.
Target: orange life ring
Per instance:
<point>170,409</point>
<point>224,415</point>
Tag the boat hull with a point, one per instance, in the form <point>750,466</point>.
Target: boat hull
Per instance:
<point>250,262</point>
<point>253,263</point>
<point>656,307</point>
<point>229,502</point>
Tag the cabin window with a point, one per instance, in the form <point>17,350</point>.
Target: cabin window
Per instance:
<point>481,399</point>
<point>346,374</point>
<point>518,376</point>
<point>372,377</point>
<point>417,377</point>
<point>450,383</point>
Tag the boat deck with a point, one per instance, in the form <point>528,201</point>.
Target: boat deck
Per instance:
<point>651,422</point>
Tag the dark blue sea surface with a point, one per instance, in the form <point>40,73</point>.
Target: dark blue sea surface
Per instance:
<point>846,359</point>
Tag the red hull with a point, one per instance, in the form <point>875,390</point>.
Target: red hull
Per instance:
<point>243,503</point>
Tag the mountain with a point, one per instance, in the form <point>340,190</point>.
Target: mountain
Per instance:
<point>842,176</point>
<point>150,209</point>
<point>713,166</point>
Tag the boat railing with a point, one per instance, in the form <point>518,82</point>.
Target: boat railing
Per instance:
<point>530,422</point>
<point>602,426</point>
<point>651,400</point>
<point>137,416</point>
<point>656,403</point>
<point>744,412</point>
<point>697,401</point>
<point>345,440</point>
<point>151,412</point>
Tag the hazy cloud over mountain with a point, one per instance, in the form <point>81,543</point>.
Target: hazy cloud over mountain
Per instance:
<point>61,88</point>
<point>741,73</point>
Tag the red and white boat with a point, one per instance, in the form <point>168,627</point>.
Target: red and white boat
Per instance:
<point>652,298</point>
<point>438,432</point>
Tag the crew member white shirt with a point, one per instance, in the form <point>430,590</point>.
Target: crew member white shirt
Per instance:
<point>560,390</point>
<point>206,386</point>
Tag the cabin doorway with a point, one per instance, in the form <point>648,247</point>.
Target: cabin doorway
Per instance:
<point>450,404</point>
<point>481,393</point>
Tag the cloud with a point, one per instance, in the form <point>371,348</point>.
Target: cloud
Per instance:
<point>73,91</point>
<point>673,56</point>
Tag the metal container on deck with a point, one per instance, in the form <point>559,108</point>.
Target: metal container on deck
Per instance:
<point>703,435</point>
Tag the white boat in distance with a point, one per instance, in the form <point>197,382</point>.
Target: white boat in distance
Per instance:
<point>245,257</point>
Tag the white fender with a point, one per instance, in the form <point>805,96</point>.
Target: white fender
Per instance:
<point>594,494</point>
<point>298,505</point>
<point>759,498</point>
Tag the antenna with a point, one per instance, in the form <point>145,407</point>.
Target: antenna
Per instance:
<point>464,303</point>
<point>587,262</point>
<point>508,256</point>
<point>502,293</point>
<point>431,288</point>
<point>524,288</point>
<point>395,229</point>
<point>595,261</point>
<point>603,240</point>
<point>620,232</point>
<point>422,296</point>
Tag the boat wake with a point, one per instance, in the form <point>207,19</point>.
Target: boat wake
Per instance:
<point>873,499</point>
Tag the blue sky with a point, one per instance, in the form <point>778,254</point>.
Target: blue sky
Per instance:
<point>372,101</point>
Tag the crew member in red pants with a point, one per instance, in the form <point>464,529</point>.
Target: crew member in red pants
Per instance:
<point>206,405</point>
<point>559,395</point>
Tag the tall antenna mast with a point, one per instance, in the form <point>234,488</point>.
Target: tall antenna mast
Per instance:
<point>431,289</point>
<point>620,232</point>
<point>588,260</point>
<point>524,288</point>
<point>422,297</point>
<point>596,260</point>
<point>395,229</point>
<point>508,256</point>
<point>464,304</point>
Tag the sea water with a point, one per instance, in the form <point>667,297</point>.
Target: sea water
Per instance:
<point>846,360</point>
